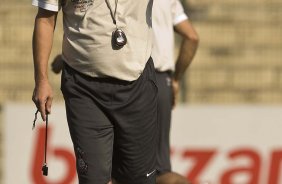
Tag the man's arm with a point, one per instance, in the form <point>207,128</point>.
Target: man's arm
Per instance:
<point>44,26</point>
<point>187,51</point>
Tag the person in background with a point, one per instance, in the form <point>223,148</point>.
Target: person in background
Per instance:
<point>108,83</point>
<point>169,17</point>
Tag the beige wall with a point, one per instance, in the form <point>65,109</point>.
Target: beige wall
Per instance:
<point>238,61</point>
<point>239,58</point>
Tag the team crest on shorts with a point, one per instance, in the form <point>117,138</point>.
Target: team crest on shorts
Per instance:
<point>82,5</point>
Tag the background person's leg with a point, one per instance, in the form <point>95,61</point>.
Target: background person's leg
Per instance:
<point>165,99</point>
<point>171,178</point>
<point>164,118</point>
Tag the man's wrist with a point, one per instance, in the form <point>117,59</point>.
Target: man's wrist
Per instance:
<point>41,80</point>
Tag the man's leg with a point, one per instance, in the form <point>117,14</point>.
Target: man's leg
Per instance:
<point>135,116</point>
<point>90,129</point>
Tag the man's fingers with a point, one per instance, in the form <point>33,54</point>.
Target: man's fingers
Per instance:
<point>175,85</point>
<point>42,109</point>
<point>42,97</point>
<point>173,101</point>
<point>35,101</point>
<point>49,104</point>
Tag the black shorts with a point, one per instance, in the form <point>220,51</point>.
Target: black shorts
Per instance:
<point>165,99</point>
<point>113,126</point>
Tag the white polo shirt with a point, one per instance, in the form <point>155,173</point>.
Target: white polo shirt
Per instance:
<point>166,14</point>
<point>88,28</point>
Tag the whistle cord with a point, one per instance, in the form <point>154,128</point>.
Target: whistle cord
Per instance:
<point>46,138</point>
<point>113,14</point>
<point>44,167</point>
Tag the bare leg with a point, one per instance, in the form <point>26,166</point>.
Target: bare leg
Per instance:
<point>114,181</point>
<point>172,178</point>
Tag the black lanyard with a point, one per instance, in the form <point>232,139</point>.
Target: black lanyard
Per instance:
<point>113,14</point>
<point>44,167</point>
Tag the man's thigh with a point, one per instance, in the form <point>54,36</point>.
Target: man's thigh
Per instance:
<point>91,132</point>
<point>135,132</point>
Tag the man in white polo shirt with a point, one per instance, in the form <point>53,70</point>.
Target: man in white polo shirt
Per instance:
<point>108,83</point>
<point>168,15</point>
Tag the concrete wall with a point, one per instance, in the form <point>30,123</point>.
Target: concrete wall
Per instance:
<point>238,61</point>
<point>239,58</point>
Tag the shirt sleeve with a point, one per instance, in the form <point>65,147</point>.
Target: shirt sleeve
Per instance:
<point>51,5</point>
<point>178,12</point>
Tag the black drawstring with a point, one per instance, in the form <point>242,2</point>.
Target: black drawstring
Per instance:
<point>35,118</point>
<point>44,167</point>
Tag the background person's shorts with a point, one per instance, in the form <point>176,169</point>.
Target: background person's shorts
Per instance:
<point>165,99</point>
<point>113,126</point>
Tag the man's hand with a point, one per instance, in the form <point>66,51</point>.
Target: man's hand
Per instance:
<point>42,98</point>
<point>175,88</point>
